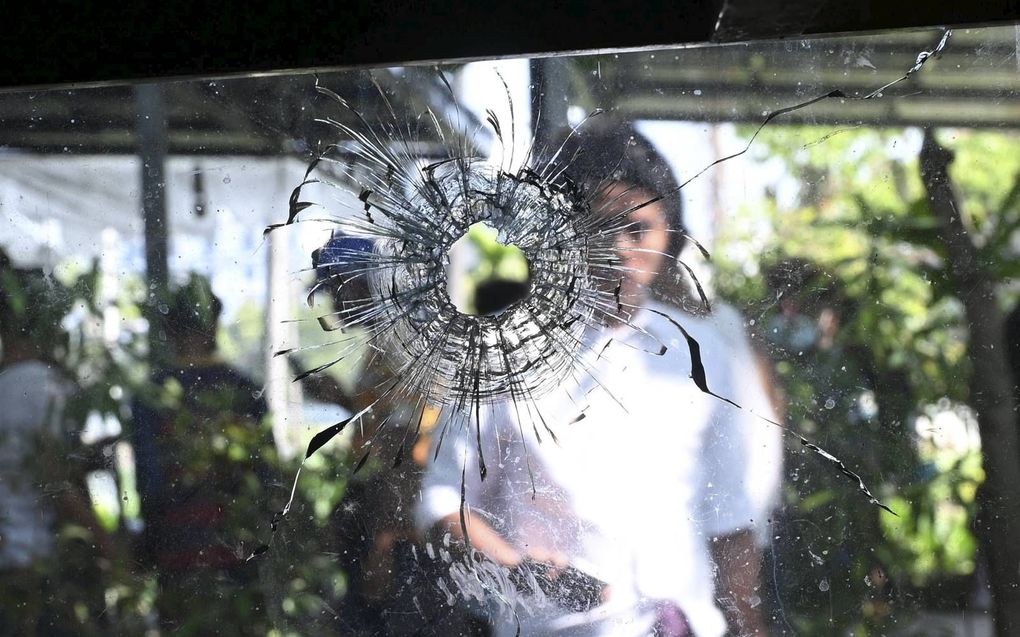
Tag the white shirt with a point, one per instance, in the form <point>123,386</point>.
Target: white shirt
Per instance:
<point>32,397</point>
<point>635,490</point>
<point>764,442</point>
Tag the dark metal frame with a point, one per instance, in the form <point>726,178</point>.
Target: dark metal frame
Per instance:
<point>72,42</point>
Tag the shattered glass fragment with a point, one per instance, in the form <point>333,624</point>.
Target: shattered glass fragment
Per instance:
<point>387,271</point>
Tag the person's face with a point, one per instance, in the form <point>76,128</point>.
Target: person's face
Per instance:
<point>641,242</point>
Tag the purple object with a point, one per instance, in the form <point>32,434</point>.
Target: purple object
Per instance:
<point>670,621</point>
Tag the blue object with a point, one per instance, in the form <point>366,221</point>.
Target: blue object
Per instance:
<point>342,253</point>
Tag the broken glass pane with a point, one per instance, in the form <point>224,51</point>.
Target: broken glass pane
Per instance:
<point>695,341</point>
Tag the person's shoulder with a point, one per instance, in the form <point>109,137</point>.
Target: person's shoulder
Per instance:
<point>728,322</point>
<point>29,369</point>
<point>663,319</point>
<point>231,387</point>
<point>213,375</point>
<point>235,377</point>
<point>40,374</point>
<point>711,342</point>
<point>32,389</point>
<point>655,314</point>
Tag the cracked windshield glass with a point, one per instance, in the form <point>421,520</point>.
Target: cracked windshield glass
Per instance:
<point>720,340</point>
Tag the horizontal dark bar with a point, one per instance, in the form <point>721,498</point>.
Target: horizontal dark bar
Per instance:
<point>63,42</point>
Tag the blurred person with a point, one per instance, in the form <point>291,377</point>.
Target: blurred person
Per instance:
<point>40,491</point>
<point>205,457</point>
<point>813,312</point>
<point>641,518</point>
<point>844,398</point>
<point>389,579</point>
<point>338,277</point>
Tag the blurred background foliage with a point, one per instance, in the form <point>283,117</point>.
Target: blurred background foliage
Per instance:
<point>102,577</point>
<point>846,287</point>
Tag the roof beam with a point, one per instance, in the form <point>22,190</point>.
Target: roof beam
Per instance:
<point>74,42</point>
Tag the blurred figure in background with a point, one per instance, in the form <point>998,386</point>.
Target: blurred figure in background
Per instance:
<point>205,456</point>
<point>641,519</point>
<point>813,310</point>
<point>390,581</point>
<point>841,398</point>
<point>390,587</point>
<point>40,490</point>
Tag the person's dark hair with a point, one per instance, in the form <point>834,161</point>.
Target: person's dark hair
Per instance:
<point>605,150</point>
<point>793,273</point>
<point>810,287</point>
<point>341,272</point>
<point>194,311</point>
<point>32,307</point>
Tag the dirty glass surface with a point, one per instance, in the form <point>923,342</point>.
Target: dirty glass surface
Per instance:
<point>705,341</point>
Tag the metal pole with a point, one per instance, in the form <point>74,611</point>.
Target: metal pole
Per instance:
<point>280,393</point>
<point>152,150</point>
<point>550,83</point>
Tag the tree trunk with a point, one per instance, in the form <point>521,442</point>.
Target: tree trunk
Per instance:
<point>991,393</point>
